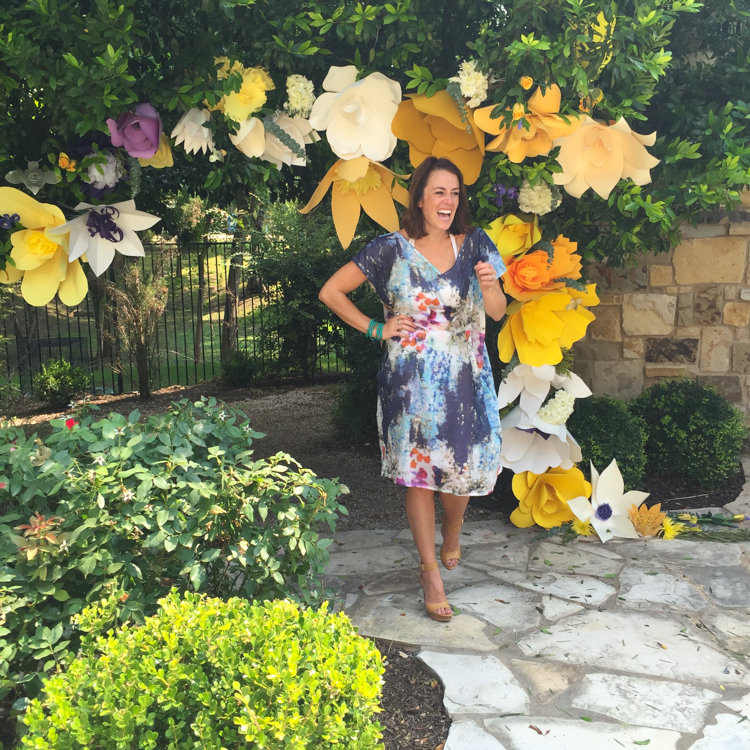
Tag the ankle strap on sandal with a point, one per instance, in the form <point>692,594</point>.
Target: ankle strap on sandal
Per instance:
<point>427,568</point>
<point>450,526</point>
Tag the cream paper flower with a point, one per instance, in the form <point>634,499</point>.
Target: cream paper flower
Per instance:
<point>192,132</point>
<point>250,138</point>
<point>532,384</point>
<point>101,230</point>
<point>531,444</point>
<point>558,409</point>
<point>538,199</point>
<point>608,510</point>
<point>598,156</point>
<point>295,127</point>
<point>357,115</point>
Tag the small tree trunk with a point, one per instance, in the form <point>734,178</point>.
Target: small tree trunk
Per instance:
<point>198,338</point>
<point>229,327</point>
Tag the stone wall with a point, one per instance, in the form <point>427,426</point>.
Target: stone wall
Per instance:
<point>685,313</point>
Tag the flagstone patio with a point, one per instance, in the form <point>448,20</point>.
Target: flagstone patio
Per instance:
<point>562,647</point>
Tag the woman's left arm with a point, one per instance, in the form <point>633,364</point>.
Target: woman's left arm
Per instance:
<point>492,294</point>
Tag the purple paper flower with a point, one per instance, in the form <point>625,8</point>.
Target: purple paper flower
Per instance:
<point>510,193</point>
<point>137,132</point>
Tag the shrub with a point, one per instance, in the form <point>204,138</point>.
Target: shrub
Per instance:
<point>213,674</point>
<point>240,369</point>
<point>692,430</point>
<point>139,507</point>
<point>59,381</point>
<point>605,429</point>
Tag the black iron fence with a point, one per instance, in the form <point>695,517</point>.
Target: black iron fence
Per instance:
<point>219,301</point>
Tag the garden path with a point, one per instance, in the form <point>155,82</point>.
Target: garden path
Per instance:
<point>560,647</point>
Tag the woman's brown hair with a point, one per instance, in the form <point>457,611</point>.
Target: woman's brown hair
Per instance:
<point>413,221</point>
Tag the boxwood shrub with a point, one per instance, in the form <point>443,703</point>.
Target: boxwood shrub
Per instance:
<point>693,431</point>
<point>213,674</point>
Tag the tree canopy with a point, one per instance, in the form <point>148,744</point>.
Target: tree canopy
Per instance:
<point>674,66</point>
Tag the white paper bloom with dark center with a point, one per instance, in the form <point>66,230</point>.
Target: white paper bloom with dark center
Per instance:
<point>357,115</point>
<point>530,444</point>
<point>101,230</point>
<point>608,509</point>
<point>191,131</point>
<point>532,384</point>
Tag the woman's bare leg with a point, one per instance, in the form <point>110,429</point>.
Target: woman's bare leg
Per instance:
<point>420,510</point>
<point>454,507</point>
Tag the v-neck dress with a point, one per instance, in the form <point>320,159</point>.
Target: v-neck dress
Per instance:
<point>437,409</point>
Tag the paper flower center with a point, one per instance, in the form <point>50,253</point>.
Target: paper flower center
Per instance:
<point>371,181</point>
<point>101,222</point>
<point>38,244</point>
<point>604,512</point>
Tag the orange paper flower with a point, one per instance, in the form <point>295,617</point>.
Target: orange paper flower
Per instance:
<point>360,183</point>
<point>647,521</point>
<point>432,126</point>
<point>545,124</point>
<point>532,275</point>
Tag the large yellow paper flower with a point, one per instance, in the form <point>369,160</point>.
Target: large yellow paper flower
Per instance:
<point>432,126</point>
<point>543,498</point>
<point>239,105</point>
<point>513,236</point>
<point>545,124</point>
<point>540,329</point>
<point>598,156</point>
<point>360,183</point>
<point>532,275</point>
<point>41,259</point>
<point>163,156</point>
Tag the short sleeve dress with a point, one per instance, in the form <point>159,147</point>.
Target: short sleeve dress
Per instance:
<point>437,409</point>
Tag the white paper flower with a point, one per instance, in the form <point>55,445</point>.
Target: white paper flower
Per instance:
<point>106,175</point>
<point>538,199</point>
<point>533,384</point>
<point>101,230</point>
<point>530,444</point>
<point>473,83</point>
<point>191,131</point>
<point>608,509</point>
<point>598,156</point>
<point>250,138</point>
<point>300,94</point>
<point>297,128</point>
<point>357,115</point>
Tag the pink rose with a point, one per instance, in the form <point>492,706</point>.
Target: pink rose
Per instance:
<point>137,132</point>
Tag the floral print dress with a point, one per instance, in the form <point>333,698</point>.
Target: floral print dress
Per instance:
<point>437,410</point>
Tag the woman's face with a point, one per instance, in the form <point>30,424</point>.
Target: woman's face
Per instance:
<point>440,200</point>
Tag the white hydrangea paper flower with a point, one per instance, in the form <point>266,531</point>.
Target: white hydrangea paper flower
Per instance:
<point>191,131</point>
<point>297,128</point>
<point>537,200</point>
<point>104,175</point>
<point>608,509</point>
<point>250,138</point>
<point>357,115</point>
<point>101,230</point>
<point>557,410</point>
<point>300,94</point>
<point>473,83</point>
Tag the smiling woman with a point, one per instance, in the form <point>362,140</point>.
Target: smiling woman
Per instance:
<point>437,410</point>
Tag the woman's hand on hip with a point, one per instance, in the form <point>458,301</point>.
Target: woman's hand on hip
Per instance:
<point>486,275</point>
<point>398,325</point>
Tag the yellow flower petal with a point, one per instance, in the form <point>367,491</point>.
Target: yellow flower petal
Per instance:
<point>75,285</point>
<point>163,156</point>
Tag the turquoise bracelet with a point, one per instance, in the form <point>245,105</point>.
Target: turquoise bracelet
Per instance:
<point>375,330</point>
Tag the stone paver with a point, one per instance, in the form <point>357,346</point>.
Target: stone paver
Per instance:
<point>562,647</point>
<point>476,684</point>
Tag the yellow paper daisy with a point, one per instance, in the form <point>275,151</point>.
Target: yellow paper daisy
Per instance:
<point>671,529</point>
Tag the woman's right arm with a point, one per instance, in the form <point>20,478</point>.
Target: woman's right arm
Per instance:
<point>346,280</point>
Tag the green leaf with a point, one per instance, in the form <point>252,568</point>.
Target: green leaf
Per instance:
<point>641,742</point>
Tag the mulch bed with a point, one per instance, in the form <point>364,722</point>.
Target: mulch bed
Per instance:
<point>412,702</point>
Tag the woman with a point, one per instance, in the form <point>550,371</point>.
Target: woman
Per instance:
<point>437,411</point>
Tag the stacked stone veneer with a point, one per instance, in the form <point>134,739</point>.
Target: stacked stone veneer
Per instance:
<point>683,313</point>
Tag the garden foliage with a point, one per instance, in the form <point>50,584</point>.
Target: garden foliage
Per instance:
<point>141,506</point>
<point>240,369</point>
<point>59,382</point>
<point>606,429</point>
<point>215,674</point>
<point>693,431</point>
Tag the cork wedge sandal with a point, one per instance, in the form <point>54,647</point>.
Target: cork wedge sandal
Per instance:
<point>432,609</point>
<point>453,554</point>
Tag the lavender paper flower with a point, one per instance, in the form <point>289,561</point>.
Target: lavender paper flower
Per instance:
<point>137,132</point>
